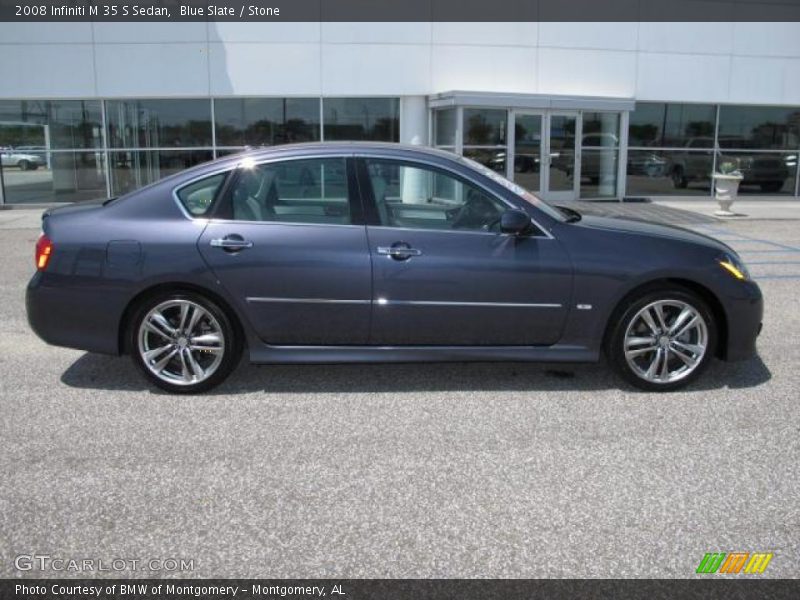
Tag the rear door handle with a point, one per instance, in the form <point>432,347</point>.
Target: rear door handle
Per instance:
<point>231,243</point>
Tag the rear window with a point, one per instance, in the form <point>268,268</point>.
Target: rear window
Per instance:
<point>197,197</point>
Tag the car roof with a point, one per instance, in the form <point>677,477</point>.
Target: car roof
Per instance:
<point>344,147</point>
<point>299,150</point>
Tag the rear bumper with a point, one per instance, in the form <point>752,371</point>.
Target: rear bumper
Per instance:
<point>71,316</point>
<point>744,315</point>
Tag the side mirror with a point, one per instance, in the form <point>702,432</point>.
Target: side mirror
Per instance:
<point>515,222</point>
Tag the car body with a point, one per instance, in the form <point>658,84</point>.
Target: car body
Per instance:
<point>22,159</point>
<point>359,252</point>
<point>767,171</point>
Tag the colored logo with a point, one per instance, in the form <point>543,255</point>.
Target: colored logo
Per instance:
<point>734,562</point>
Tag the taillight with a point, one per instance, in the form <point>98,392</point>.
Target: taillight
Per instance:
<point>44,250</point>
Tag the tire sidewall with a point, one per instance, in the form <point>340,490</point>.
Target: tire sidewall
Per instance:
<point>622,318</point>
<point>232,342</point>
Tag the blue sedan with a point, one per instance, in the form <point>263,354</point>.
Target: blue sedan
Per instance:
<point>359,252</point>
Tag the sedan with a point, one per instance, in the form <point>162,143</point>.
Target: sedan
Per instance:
<point>360,252</point>
<point>23,159</point>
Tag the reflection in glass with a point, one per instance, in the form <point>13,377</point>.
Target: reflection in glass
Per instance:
<point>599,154</point>
<point>266,121</point>
<point>528,151</point>
<point>765,127</point>
<point>228,151</point>
<point>599,172</point>
<point>600,129</point>
<point>134,169</point>
<point>444,127</point>
<point>70,177</point>
<point>764,173</point>
<point>669,125</point>
<point>562,153</point>
<point>658,172</point>
<point>43,125</point>
<point>484,127</point>
<point>374,119</point>
<point>158,123</point>
<point>493,158</point>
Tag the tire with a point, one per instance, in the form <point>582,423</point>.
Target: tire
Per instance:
<point>679,179</point>
<point>24,165</point>
<point>647,343</point>
<point>174,363</point>
<point>771,187</point>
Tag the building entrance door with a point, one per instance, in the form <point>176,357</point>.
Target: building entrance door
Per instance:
<point>545,156</point>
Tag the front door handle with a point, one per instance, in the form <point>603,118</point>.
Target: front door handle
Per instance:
<point>399,251</point>
<point>231,243</point>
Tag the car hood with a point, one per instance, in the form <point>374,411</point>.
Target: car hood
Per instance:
<point>653,230</point>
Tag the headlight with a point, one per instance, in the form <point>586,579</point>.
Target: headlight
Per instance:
<point>733,265</point>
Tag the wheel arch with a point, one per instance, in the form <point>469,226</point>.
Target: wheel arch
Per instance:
<point>174,287</point>
<point>708,296</point>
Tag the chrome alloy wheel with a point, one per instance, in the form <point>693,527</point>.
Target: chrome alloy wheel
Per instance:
<point>181,342</point>
<point>666,341</point>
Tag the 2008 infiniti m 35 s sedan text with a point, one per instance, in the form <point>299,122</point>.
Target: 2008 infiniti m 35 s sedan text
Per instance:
<point>354,252</point>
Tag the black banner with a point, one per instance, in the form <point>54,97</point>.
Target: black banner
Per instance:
<point>396,589</point>
<point>393,10</point>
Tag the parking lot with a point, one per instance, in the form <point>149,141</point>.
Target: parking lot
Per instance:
<point>456,470</point>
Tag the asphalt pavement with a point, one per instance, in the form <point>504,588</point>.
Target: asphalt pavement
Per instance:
<point>432,470</point>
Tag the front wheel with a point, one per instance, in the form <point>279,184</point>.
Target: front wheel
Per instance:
<point>183,342</point>
<point>663,340</point>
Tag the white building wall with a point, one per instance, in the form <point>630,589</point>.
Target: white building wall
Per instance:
<point>755,63</point>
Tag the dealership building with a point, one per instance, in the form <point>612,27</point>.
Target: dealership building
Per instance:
<point>594,111</point>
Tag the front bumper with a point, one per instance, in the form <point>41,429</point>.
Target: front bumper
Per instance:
<point>744,319</point>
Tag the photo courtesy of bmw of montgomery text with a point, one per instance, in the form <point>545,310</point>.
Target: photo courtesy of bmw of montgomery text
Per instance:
<point>359,252</point>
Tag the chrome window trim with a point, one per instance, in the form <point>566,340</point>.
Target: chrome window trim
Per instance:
<point>459,231</point>
<point>287,223</point>
<point>471,179</point>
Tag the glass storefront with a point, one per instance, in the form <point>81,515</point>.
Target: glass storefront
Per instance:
<point>674,148</point>
<point>372,119</point>
<point>266,121</point>
<point>74,150</point>
<point>51,150</point>
<point>485,137</point>
<point>559,154</point>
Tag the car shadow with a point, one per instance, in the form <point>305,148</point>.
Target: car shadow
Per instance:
<point>94,371</point>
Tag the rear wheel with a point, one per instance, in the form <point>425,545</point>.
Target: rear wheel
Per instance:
<point>183,342</point>
<point>663,340</point>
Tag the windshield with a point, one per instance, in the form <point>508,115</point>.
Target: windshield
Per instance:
<point>520,191</point>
